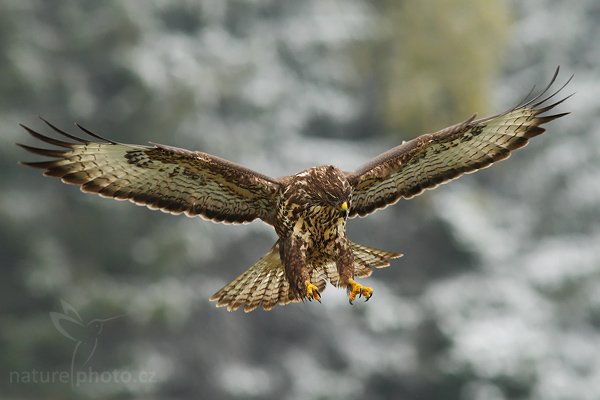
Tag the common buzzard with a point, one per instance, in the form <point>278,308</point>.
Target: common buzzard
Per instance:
<point>308,210</point>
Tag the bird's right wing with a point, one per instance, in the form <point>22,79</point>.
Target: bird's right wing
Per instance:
<point>160,177</point>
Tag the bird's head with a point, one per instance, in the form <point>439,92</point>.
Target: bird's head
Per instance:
<point>329,189</point>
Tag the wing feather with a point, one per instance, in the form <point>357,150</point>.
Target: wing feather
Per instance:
<point>160,177</point>
<point>432,159</point>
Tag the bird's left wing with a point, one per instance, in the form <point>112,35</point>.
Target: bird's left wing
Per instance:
<point>160,177</point>
<point>432,159</point>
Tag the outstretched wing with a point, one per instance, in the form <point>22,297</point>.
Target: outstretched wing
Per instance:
<point>432,159</point>
<point>159,177</point>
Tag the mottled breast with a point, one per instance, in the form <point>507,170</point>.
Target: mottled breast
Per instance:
<point>314,204</point>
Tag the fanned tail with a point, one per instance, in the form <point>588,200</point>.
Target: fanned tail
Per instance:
<point>365,259</point>
<point>265,284</point>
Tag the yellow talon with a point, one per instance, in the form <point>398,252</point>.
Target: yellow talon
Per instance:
<point>357,289</point>
<point>312,292</point>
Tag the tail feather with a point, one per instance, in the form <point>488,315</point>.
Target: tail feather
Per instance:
<point>265,284</point>
<point>366,258</point>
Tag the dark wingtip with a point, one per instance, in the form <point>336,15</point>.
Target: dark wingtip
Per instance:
<point>549,118</point>
<point>43,152</point>
<point>92,134</point>
<point>551,106</point>
<point>525,99</point>
<point>32,164</point>
<point>27,163</point>
<point>551,95</point>
<point>47,139</point>
<point>62,132</point>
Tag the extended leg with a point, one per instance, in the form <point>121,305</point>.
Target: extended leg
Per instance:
<point>356,289</point>
<point>345,267</point>
<point>293,255</point>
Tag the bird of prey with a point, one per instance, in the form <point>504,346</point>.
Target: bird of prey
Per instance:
<point>308,210</point>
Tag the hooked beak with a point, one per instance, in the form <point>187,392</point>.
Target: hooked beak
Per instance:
<point>344,206</point>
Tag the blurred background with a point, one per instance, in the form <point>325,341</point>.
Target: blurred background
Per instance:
<point>497,296</point>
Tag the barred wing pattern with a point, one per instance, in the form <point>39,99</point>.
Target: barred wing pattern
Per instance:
<point>432,159</point>
<point>160,177</point>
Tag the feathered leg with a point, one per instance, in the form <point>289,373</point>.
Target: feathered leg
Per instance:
<point>344,262</point>
<point>345,267</point>
<point>293,254</point>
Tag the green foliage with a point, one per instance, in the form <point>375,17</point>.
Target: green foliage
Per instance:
<point>433,61</point>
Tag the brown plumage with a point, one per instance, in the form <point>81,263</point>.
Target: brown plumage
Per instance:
<point>308,210</point>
